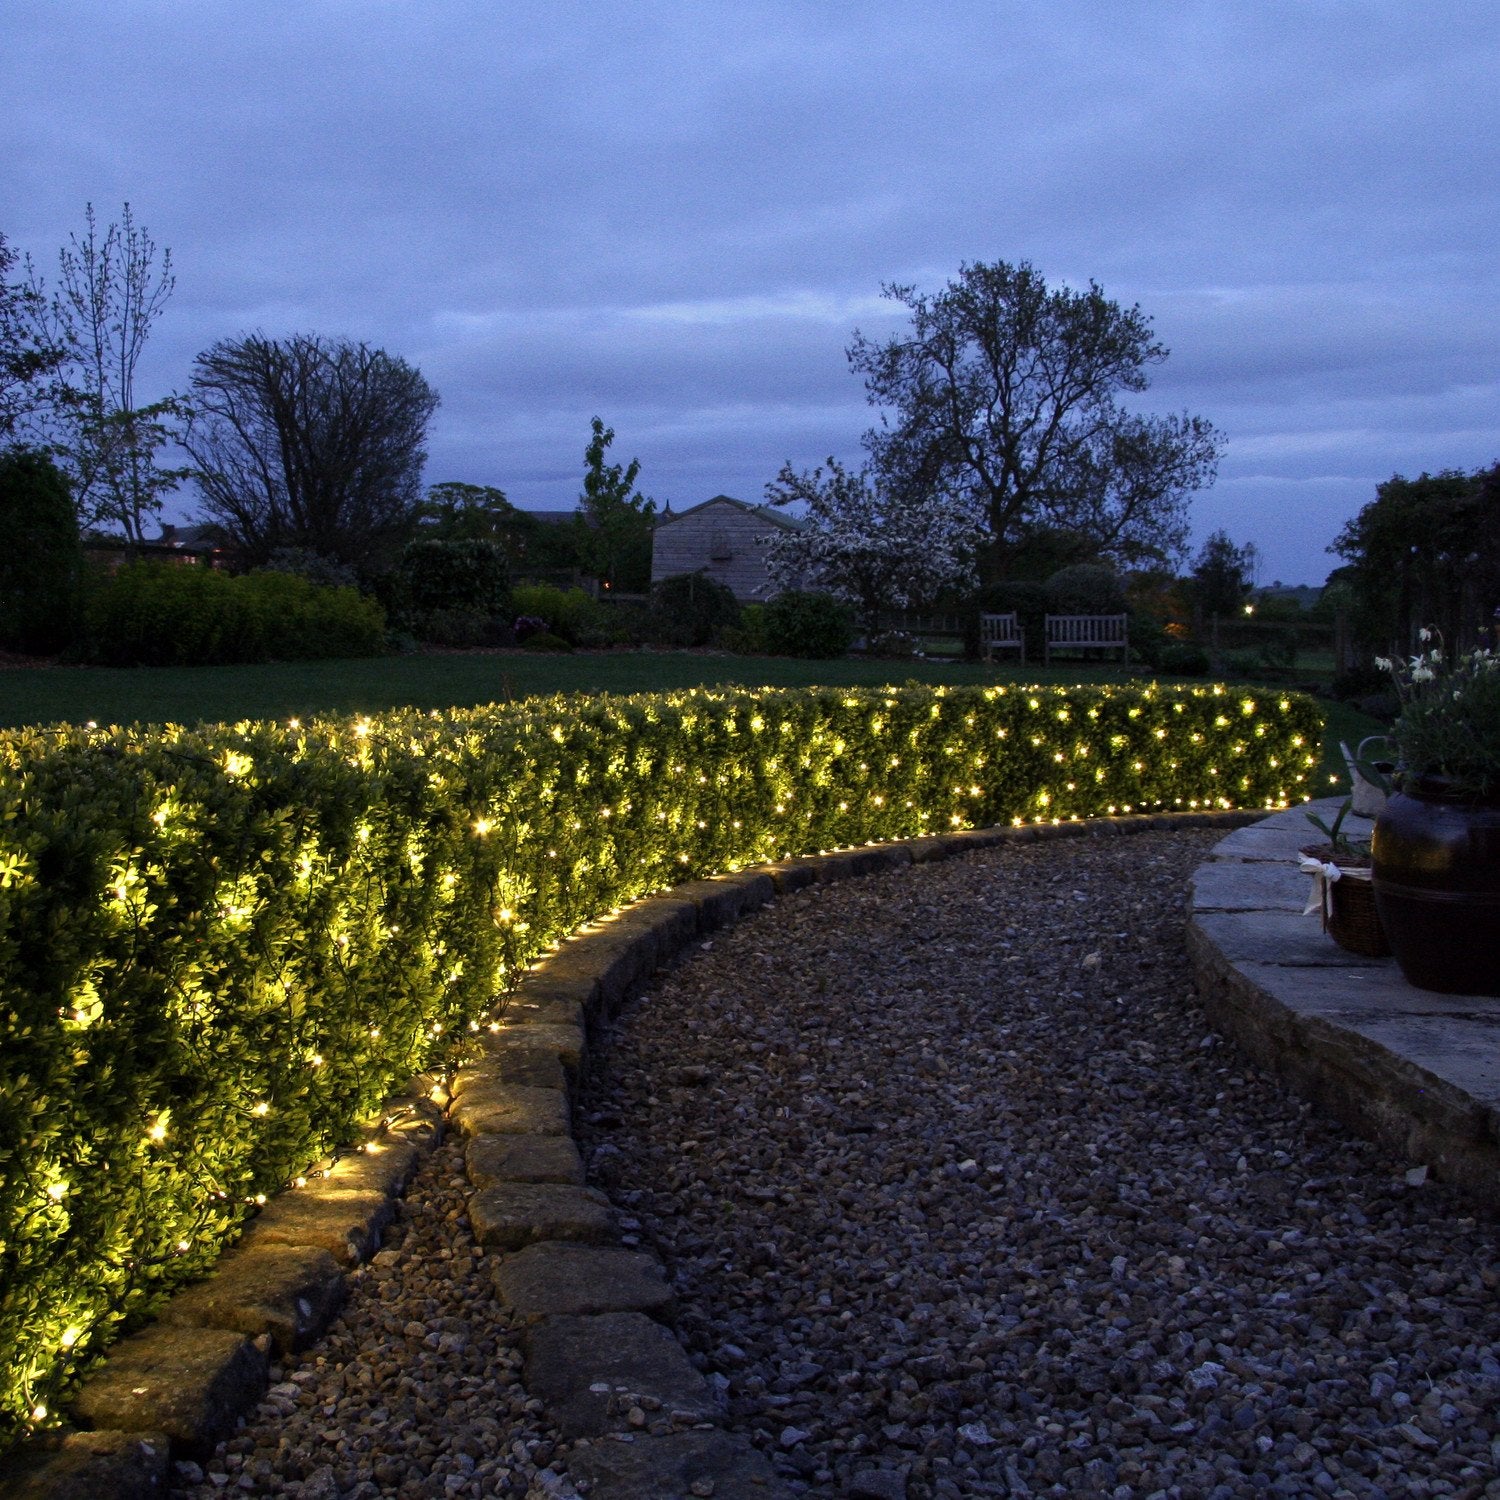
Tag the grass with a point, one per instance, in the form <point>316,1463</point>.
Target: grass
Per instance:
<point>281,690</point>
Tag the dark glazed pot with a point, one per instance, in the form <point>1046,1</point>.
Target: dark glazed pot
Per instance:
<point>1437,887</point>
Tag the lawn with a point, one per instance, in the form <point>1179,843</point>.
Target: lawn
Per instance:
<point>187,695</point>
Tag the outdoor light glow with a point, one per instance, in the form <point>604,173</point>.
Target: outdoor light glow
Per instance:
<point>493,834</point>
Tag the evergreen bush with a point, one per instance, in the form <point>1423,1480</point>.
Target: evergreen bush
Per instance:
<point>691,609</point>
<point>802,623</point>
<point>41,564</point>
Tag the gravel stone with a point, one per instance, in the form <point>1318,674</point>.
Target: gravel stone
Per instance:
<point>954,1181</point>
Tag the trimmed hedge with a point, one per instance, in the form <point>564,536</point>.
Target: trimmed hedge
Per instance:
<point>167,614</point>
<point>222,948</point>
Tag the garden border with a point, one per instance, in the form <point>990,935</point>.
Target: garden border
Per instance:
<point>596,1342</point>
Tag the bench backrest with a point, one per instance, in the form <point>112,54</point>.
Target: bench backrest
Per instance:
<point>995,630</point>
<point>1086,630</point>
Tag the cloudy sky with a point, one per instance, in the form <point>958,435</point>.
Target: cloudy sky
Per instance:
<point>673,215</point>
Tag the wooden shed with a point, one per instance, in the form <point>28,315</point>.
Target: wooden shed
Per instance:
<point>724,538</point>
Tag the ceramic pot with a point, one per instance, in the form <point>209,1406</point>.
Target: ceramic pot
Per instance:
<point>1437,887</point>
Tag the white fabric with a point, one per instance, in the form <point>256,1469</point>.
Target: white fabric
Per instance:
<point>1320,897</point>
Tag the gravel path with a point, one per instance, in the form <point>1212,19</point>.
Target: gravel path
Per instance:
<point>415,1391</point>
<point>963,1198</point>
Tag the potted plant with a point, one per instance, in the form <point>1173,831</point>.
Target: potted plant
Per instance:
<point>1436,845</point>
<point>1343,891</point>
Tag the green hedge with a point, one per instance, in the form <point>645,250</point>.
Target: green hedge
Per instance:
<point>168,614</point>
<point>221,948</point>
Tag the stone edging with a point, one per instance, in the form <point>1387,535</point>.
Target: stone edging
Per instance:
<point>598,1351</point>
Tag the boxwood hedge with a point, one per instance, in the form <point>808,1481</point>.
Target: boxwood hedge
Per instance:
<point>221,948</point>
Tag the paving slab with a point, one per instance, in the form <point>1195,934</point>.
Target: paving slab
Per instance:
<point>555,1278</point>
<point>509,1215</point>
<point>1416,1070</point>
<point>668,1468</point>
<point>489,1106</point>
<point>523,1158</point>
<point>591,1370</point>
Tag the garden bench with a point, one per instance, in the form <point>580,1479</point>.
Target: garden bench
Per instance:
<point>1087,632</point>
<point>1001,633</point>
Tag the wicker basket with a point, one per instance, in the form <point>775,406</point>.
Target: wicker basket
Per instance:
<point>1353,923</point>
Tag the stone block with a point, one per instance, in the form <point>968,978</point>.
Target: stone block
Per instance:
<point>557,1279</point>
<point>88,1466</point>
<point>790,875</point>
<point>190,1383</point>
<point>493,1159</point>
<point>667,1467</point>
<point>723,899</point>
<point>418,1120</point>
<point>545,1011</point>
<point>569,974</point>
<point>508,1215</point>
<point>496,1108</point>
<point>586,1369</point>
<point>620,954</point>
<point>385,1165</point>
<point>569,1044</point>
<point>345,1222</point>
<point>290,1292</point>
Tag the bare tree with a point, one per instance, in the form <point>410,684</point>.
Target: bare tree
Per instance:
<point>28,358</point>
<point>309,442</point>
<point>111,290</point>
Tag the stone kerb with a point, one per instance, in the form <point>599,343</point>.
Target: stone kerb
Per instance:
<point>599,1351</point>
<point>1417,1071</point>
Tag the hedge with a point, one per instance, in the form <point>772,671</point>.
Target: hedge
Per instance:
<point>222,948</point>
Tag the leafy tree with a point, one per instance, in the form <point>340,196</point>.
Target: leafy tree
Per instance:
<point>613,532</point>
<point>110,292</point>
<point>41,566</point>
<point>1002,401</point>
<point>28,355</point>
<point>1425,551</point>
<point>309,442</point>
<point>458,512</point>
<point>1222,577</point>
<point>876,548</point>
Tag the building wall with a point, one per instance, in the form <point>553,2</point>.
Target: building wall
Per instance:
<point>721,540</point>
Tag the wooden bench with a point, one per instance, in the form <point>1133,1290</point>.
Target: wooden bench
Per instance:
<point>1088,633</point>
<point>1001,633</point>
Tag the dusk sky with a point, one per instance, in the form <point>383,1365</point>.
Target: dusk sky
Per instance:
<point>674,216</point>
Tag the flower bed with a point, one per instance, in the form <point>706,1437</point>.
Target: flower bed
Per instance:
<point>221,948</point>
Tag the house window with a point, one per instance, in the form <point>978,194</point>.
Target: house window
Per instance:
<point>718,545</point>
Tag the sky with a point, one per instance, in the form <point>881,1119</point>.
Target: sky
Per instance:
<point>674,216</point>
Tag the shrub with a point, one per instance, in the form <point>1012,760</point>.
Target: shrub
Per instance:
<point>800,623</point>
<point>569,613</point>
<point>691,609</point>
<point>41,567</point>
<point>1181,660</point>
<point>1085,589</point>
<point>221,948</point>
<point>748,638</point>
<point>454,575</point>
<point>172,614</point>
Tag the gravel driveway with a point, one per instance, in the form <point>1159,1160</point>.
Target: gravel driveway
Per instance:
<point>963,1198</point>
